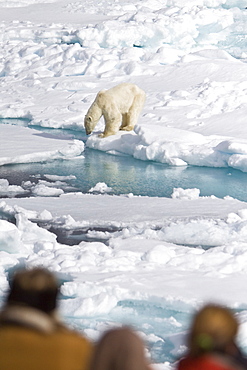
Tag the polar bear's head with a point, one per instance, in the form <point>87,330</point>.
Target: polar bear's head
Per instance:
<point>88,124</point>
<point>92,117</point>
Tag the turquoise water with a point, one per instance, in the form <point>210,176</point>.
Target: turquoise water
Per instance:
<point>127,175</point>
<point>167,320</point>
<point>124,174</point>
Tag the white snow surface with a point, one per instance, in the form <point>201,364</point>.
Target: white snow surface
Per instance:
<point>177,253</point>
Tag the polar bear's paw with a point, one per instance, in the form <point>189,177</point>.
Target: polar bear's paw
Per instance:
<point>127,128</point>
<point>107,133</point>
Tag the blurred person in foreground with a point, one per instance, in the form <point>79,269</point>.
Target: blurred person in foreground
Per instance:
<point>120,349</point>
<point>31,335</point>
<point>212,341</point>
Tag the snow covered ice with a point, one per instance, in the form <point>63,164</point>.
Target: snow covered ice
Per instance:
<point>147,261</point>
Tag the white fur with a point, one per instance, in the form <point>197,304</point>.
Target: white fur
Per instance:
<point>120,106</point>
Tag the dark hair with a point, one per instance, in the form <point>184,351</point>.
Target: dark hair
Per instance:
<point>37,288</point>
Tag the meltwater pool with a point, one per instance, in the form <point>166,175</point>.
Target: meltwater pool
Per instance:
<point>124,175</point>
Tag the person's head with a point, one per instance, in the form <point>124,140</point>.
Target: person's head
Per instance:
<point>214,328</point>
<point>120,349</point>
<point>37,288</point>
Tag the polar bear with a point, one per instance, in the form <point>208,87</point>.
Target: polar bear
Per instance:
<point>120,106</point>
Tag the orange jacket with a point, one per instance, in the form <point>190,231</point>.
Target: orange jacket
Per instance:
<point>25,344</point>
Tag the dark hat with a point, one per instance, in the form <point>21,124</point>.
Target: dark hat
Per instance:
<point>36,287</point>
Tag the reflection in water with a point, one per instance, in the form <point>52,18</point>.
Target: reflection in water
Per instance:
<point>126,175</point>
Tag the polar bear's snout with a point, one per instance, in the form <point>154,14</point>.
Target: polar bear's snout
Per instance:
<point>88,131</point>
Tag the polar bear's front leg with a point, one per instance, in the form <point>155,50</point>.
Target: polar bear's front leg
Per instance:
<point>124,121</point>
<point>112,122</point>
<point>105,134</point>
<point>127,122</point>
<point>110,129</point>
